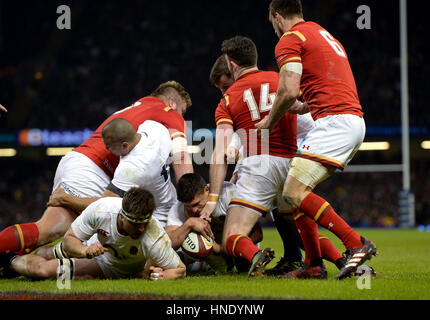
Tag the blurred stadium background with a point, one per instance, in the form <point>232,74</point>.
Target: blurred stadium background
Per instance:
<point>64,83</point>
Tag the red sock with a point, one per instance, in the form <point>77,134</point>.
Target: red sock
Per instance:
<point>19,237</point>
<point>328,250</point>
<point>309,233</point>
<point>241,246</point>
<point>322,212</point>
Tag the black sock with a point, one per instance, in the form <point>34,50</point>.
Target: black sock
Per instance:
<point>289,234</point>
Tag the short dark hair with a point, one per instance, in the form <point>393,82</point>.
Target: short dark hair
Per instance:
<point>170,87</point>
<point>190,185</point>
<point>286,8</point>
<point>241,50</point>
<point>219,69</point>
<point>138,203</point>
<point>118,130</point>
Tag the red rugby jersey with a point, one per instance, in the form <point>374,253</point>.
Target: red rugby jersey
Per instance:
<point>248,101</point>
<point>327,83</point>
<point>147,108</point>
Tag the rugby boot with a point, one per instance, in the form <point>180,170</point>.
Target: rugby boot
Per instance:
<point>307,272</point>
<point>356,257</point>
<point>259,262</point>
<point>283,266</point>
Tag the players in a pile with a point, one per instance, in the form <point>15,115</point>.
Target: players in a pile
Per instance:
<point>314,63</point>
<point>144,162</point>
<point>313,68</point>
<point>86,172</point>
<point>184,217</point>
<point>112,238</point>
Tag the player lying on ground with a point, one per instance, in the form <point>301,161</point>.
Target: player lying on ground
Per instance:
<point>112,238</point>
<point>184,217</point>
<point>87,170</point>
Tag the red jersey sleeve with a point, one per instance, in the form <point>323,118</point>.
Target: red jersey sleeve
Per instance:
<point>289,48</point>
<point>222,115</point>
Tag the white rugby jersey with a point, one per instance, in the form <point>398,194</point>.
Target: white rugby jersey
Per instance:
<point>177,215</point>
<point>126,256</point>
<point>146,166</point>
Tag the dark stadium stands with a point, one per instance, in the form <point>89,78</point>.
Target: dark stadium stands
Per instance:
<point>118,52</point>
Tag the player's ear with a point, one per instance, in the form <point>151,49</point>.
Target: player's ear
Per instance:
<point>234,66</point>
<point>206,189</point>
<point>172,103</point>
<point>277,18</point>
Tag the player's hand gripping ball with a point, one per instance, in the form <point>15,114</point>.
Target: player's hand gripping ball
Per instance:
<point>197,246</point>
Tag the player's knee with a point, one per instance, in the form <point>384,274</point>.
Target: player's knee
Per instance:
<point>40,270</point>
<point>293,198</point>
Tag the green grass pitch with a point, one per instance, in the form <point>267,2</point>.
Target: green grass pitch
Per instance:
<point>402,266</point>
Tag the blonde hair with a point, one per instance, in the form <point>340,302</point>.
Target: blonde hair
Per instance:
<point>172,89</point>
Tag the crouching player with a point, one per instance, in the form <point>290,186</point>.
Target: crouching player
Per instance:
<point>112,238</point>
<point>184,217</point>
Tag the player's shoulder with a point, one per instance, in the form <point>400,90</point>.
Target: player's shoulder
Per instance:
<point>153,232</point>
<point>157,105</point>
<point>101,209</point>
<point>299,33</point>
<point>106,204</point>
<point>151,126</point>
<point>176,215</point>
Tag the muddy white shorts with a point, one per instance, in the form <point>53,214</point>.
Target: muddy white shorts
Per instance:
<point>78,175</point>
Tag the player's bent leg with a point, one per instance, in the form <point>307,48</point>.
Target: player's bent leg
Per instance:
<point>310,173</point>
<point>34,266</point>
<point>87,269</point>
<point>54,224</point>
<point>19,237</point>
<point>239,222</point>
<point>24,238</point>
<point>292,242</point>
<point>45,252</point>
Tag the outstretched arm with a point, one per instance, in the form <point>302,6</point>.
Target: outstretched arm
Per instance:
<point>59,198</point>
<point>218,167</point>
<point>74,248</point>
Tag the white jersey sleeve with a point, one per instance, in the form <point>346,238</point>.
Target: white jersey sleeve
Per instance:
<point>86,225</point>
<point>176,216</point>
<point>160,249</point>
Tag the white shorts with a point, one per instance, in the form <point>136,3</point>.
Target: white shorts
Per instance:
<point>80,176</point>
<point>334,140</point>
<point>260,183</point>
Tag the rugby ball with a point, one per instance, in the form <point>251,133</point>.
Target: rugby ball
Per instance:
<point>196,246</point>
